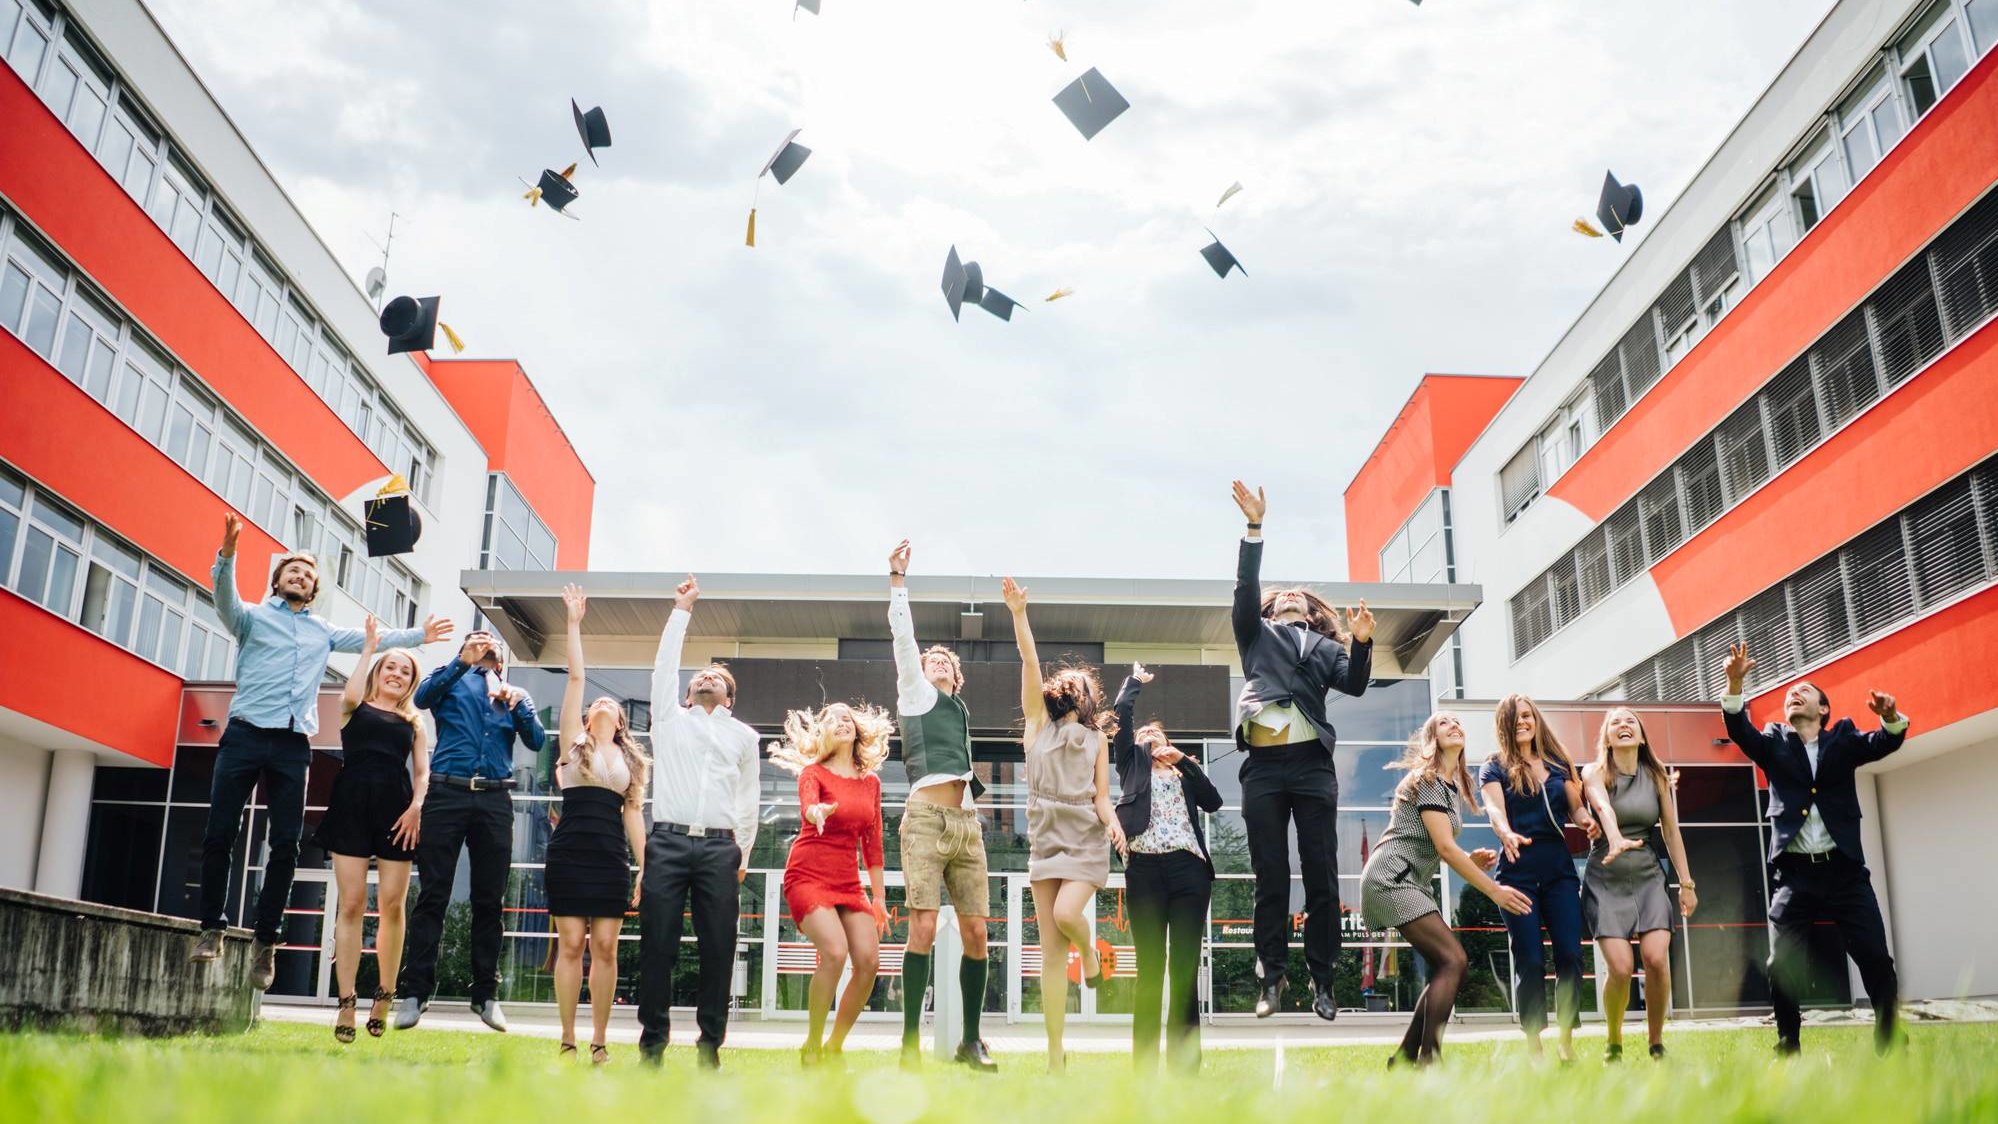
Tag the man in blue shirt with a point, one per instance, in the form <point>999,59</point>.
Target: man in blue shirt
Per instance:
<point>282,649</point>
<point>478,715</point>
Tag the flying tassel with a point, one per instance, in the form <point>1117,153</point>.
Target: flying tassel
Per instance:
<point>1058,46</point>
<point>1230,193</point>
<point>1058,294</point>
<point>533,197</point>
<point>1582,226</point>
<point>751,240</point>
<point>457,343</point>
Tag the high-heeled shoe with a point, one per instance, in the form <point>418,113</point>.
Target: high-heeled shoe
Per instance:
<point>378,1023</point>
<point>345,1034</point>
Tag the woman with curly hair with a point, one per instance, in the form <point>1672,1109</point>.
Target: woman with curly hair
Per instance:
<point>602,773</point>
<point>1071,817</point>
<point>837,755</point>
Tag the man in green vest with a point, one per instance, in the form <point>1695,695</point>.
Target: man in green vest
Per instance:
<point>943,844</point>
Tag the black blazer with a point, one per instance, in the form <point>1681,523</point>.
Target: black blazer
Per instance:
<point>1842,749</point>
<point>1275,670</point>
<point>1134,777</point>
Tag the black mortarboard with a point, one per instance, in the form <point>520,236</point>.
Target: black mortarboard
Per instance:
<point>811,6</point>
<point>410,323</point>
<point>1218,256</point>
<point>789,157</point>
<point>593,127</point>
<point>954,280</point>
<point>974,283</point>
<point>393,526</point>
<point>556,189</point>
<point>1090,102</point>
<point>997,303</point>
<point>1620,205</point>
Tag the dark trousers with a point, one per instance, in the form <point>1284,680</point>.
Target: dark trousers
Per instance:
<point>1840,891</point>
<point>457,819</point>
<point>1545,873</point>
<point>280,758</point>
<point>1282,785</point>
<point>1168,896</point>
<point>682,871</point>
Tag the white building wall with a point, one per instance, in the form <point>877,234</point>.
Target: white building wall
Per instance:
<point>201,130</point>
<point>1944,895</point>
<point>24,778</point>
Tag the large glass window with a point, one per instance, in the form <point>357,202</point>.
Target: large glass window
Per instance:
<point>515,537</point>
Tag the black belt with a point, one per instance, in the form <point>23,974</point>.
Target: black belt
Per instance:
<point>477,784</point>
<point>1813,857</point>
<point>727,833</point>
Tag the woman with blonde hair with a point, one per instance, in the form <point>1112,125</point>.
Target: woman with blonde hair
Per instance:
<point>1531,789</point>
<point>837,755</point>
<point>1071,819</point>
<point>602,773</point>
<point>375,812</point>
<point>1624,897</point>
<point>1396,888</point>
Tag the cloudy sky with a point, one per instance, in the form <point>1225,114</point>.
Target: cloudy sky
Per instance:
<point>1409,176</point>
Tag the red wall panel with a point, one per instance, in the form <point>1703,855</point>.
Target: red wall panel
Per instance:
<point>1441,419</point>
<point>522,439</point>
<point>73,679</point>
<point>1945,163</point>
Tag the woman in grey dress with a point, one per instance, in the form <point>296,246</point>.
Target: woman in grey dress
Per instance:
<point>1071,815</point>
<point>1624,897</point>
<point>1396,891</point>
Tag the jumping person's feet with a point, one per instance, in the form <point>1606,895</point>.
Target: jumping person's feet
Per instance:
<point>408,1009</point>
<point>1269,998</point>
<point>207,947</point>
<point>707,1055</point>
<point>263,965</point>
<point>490,1014</point>
<point>912,1056</point>
<point>599,1054</point>
<point>343,1023</point>
<point>1614,1052</point>
<point>378,1013</point>
<point>1657,1051</point>
<point>810,1055</point>
<point>973,1055</point>
<point>1324,1004</point>
<point>566,1051</point>
<point>1788,1047</point>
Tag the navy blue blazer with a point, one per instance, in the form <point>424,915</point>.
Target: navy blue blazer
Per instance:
<point>1842,749</point>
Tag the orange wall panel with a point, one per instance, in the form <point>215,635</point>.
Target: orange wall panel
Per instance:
<point>82,452</point>
<point>63,190</point>
<point>75,680</point>
<point>1441,420</point>
<point>522,439</point>
<point>1928,431</point>
<point>1944,164</point>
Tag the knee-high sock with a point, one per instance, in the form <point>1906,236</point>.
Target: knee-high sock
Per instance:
<point>971,982</point>
<point>915,980</point>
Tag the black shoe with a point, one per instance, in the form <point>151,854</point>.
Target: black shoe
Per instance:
<point>651,1056</point>
<point>912,1057</point>
<point>1269,1000</point>
<point>707,1055</point>
<point>1323,1004</point>
<point>263,967</point>
<point>1657,1051</point>
<point>974,1055</point>
<point>1614,1052</point>
<point>1788,1047</point>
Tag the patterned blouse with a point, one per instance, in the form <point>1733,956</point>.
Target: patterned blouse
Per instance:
<point>1171,828</point>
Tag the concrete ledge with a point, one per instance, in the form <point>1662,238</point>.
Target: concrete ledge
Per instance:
<point>79,966</point>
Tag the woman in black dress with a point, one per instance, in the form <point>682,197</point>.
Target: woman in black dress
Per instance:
<point>588,879</point>
<point>374,812</point>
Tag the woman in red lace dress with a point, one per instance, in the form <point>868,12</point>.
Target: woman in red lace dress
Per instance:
<point>837,754</point>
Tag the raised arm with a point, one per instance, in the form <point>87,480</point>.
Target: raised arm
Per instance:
<point>1031,704</point>
<point>1247,613</point>
<point>1124,747</point>
<point>666,707</point>
<point>438,683</point>
<point>914,694</point>
<point>1756,745</point>
<point>230,608</point>
<point>569,721</point>
<point>1353,666</point>
<point>1893,728</point>
<point>356,691</point>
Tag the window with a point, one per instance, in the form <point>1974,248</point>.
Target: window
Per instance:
<point>32,30</point>
<point>13,495</point>
<point>1817,182</point>
<point>76,88</point>
<point>1869,124</point>
<point>177,203</point>
<point>143,391</point>
<point>1933,56</point>
<point>31,288</point>
<point>1767,234</point>
<point>51,554</point>
<point>515,537</point>
<point>1519,481</point>
<point>111,590</point>
<point>1983,23</point>
<point>89,350</point>
<point>221,251</point>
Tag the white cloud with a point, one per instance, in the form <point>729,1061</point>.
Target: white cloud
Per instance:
<point>1410,174</point>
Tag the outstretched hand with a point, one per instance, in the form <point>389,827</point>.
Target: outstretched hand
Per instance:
<point>1738,665</point>
<point>686,593</point>
<point>1360,622</point>
<point>1139,673</point>
<point>898,559</point>
<point>1015,595</point>
<point>1882,705</point>
<point>232,525</point>
<point>1252,503</point>
<point>437,628</point>
<point>575,601</point>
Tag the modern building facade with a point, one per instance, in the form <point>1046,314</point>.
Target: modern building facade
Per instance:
<point>1776,424</point>
<point>176,343</point>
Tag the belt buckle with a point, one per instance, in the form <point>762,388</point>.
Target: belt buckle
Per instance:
<point>475,783</point>
<point>1821,856</point>
<point>696,831</point>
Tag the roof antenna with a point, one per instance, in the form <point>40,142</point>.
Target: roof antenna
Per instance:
<point>377,282</point>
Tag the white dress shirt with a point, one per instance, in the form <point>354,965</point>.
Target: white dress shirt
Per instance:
<point>1814,838</point>
<point>914,693</point>
<point>705,763</point>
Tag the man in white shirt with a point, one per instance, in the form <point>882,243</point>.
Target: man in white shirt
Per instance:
<point>705,787</point>
<point>1816,861</point>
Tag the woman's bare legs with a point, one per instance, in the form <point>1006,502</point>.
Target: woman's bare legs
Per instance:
<point>351,874</point>
<point>1618,962</point>
<point>571,934</point>
<point>863,946</point>
<point>828,936</point>
<point>603,975</point>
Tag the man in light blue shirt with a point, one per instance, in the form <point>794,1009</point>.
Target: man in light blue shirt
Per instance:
<point>281,657</point>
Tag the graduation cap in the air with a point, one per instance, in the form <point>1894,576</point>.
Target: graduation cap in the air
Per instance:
<point>1619,206</point>
<point>783,164</point>
<point>997,303</point>
<point>1218,256</point>
<point>392,522</point>
<point>593,127</point>
<point>557,188</point>
<point>964,283</point>
<point>411,324</point>
<point>1090,102</point>
<point>811,6</point>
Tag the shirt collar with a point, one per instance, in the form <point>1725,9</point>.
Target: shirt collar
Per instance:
<point>276,602</point>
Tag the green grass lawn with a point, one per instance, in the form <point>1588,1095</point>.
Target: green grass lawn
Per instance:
<point>282,1073</point>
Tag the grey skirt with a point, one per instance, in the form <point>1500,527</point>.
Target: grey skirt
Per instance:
<point>1626,898</point>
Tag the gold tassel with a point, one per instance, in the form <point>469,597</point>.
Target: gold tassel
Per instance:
<point>751,240</point>
<point>533,197</point>
<point>1582,226</point>
<point>457,344</point>
<point>569,173</point>
<point>1059,47</point>
<point>1059,293</point>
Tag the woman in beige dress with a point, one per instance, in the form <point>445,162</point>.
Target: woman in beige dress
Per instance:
<point>1071,816</point>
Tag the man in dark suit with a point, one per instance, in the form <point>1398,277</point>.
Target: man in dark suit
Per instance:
<point>1815,859</point>
<point>1293,651</point>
